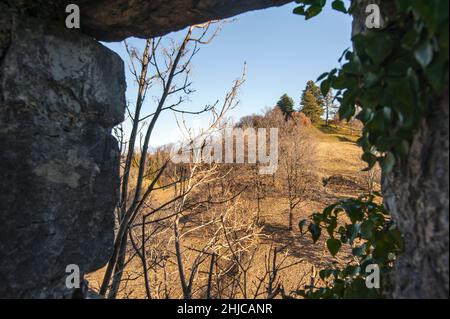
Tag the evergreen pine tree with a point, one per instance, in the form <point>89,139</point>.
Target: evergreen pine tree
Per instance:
<point>286,105</point>
<point>315,90</point>
<point>311,108</point>
<point>312,102</point>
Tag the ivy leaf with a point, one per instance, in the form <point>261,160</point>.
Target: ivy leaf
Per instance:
<point>370,79</point>
<point>352,271</point>
<point>315,232</point>
<point>370,159</point>
<point>325,87</point>
<point>353,231</point>
<point>410,39</point>
<point>323,76</point>
<point>403,5</point>
<point>365,115</point>
<point>333,245</point>
<point>353,68</point>
<point>325,273</point>
<point>302,225</point>
<point>386,143</point>
<point>436,74</point>
<point>396,238</point>
<point>359,251</point>
<point>359,290</point>
<point>378,122</point>
<point>424,54</point>
<point>313,11</point>
<point>339,6</point>
<point>363,141</point>
<point>378,47</point>
<point>388,163</point>
<point>367,228</point>
<point>381,250</point>
<point>300,10</point>
<point>332,226</point>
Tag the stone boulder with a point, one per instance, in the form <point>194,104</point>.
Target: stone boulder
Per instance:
<point>60,95</point>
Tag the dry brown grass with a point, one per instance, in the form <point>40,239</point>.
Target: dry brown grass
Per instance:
<point>338,162</point>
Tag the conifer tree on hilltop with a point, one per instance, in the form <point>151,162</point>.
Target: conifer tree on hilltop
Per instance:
<point>312,102</point>
<point>286,105</point>
<point>315,90</point>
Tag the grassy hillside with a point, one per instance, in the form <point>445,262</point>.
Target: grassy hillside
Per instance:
<point>339,174</point>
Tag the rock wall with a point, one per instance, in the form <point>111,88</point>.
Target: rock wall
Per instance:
<point>417,195</point>
<point>116,20</point>
<point>119,19</point>
<point>60,94</point>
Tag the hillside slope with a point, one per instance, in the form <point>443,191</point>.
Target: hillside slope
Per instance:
<point>339,173</point>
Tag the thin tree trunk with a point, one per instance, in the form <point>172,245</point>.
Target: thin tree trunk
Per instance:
<point>144,261</point>
<point>210,276</point>
<point>118,270</point>
<point>291,217</point>
<point>184,285</point>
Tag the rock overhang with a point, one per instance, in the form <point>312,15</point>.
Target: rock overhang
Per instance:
<point>116,20</point>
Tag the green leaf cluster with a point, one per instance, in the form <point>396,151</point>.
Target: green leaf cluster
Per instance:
<point>311,8</point>
<point>369,237</point>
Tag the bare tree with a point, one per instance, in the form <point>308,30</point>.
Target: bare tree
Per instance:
<point>330,108</point>
<point>162,234</point>
<point>372,179</point>
<point>170,69</point>
<point>297,167</point>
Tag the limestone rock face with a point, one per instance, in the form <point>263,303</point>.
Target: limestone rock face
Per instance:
<point>118,19</point>
<point>60,94</point>
<point>114,20</point>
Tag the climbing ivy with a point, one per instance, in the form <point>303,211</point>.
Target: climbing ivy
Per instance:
<point>389,81</point>
<point>368,238</point>
<point>392,75</point>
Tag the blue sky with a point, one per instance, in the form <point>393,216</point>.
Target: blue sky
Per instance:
<point>282,52</point>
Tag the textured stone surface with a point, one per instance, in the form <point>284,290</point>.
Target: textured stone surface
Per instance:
<point>60,95</point>
<point>118,19</point>
<point>417,195</point>
<point>5,28</point>
<point>114,20</point>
